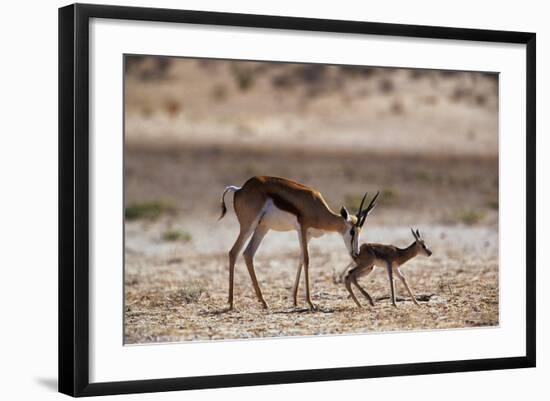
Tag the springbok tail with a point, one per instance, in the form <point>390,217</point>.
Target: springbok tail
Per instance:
<point>231,188</point>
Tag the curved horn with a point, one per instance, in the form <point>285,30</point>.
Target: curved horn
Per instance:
<point>372,203</point>
<point>361,205</point>
<point>362,219</point>
<point>414,234</point>
<point>369,208</point>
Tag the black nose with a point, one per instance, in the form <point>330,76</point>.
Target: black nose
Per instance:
<point>429,253</point>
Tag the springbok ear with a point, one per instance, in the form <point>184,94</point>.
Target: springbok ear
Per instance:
<point>344,213</point>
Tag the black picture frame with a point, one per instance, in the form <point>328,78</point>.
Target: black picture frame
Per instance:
<point>74,198</point>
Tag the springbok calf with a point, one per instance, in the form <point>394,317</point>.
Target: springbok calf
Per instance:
<point>388,256</point>
<point>279,204</point>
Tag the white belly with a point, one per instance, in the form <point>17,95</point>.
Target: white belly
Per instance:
<point>278,220</point>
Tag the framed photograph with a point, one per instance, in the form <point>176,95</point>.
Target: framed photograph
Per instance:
<point>251,199</point>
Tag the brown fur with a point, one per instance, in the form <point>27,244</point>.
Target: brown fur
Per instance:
<point>293,197</point>
<point>307,204</point>
<point>388,256</point>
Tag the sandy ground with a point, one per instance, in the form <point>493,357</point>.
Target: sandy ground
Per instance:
<point>428,141</point>
<point>175,293</point>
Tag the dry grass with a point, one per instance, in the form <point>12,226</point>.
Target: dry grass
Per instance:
<point>167,305</point>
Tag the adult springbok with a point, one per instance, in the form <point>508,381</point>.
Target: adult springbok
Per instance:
<point>279,204</point>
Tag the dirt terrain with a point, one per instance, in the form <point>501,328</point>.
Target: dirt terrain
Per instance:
<point>183,295</point>
<point>427,140</point>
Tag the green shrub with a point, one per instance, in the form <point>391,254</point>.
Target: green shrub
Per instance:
<point>389,196</point>
<point>470,216</point>
<point>176,235</point>
<point>147,210</point>
<point>244,78</point>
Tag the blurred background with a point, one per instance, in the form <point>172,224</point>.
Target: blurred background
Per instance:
<point>427,139</point>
